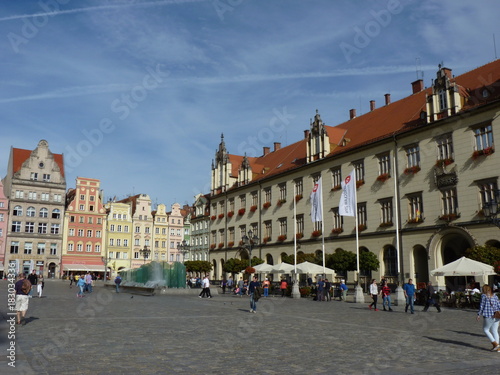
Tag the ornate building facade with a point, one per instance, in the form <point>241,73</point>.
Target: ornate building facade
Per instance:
<point>424,166</point>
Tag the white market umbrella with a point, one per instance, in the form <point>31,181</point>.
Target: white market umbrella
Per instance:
<point>464,267</point>
<point>311,268</point>
<point>283,268</point>
<point>263,268</point>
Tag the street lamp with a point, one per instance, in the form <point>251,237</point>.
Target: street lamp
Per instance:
<point>183,248</point>
<point>490,210</point>
<point>249,242</point>
<point>145,253</point>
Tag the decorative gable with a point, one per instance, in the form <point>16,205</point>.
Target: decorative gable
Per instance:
<point>318,142</point>
<point>221,170</point>
<point>445,99</point>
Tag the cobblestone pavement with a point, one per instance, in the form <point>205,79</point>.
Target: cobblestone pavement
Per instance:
<point>109,333</point>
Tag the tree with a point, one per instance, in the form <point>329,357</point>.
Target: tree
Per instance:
<point>198,266</point>
<point>341,261</point>
<point>234,265</point>
<point>368,261</point>
<point>256,261</point>
<point>301,258</point>
<point>485,254</point>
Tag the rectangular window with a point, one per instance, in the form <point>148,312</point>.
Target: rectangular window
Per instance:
<point>268,230</point>
<point>412,156</point>
<point>415,208</point>
<point>80,232</point>
<point>28,247</point>
<point>89,232</point>
<point>112,228</point>
<point>57,197</point>
<point>172,245</point>
<point>42,228</point>
<point>34,176</point>
<point>118,242</point>
<point>267,194</point>
<point>90,220</point>
<point>46,177</point>
<point>81,207</point>
<point>443,100</point>
<point>19,194</point>
<point>384,164</point>
<point>29,227</point>
<point>97,248</point>
<point>1,217</point>
<point>111,242</point>
<point>56,214</point>
<point>137,242</point>
<point>71,232</point>
<point>362,219</point>
<point>147,230</point>
<point>336,178</point>
<point>243,201</point>
<point>283,226</point>
<point>300,225</point>
<point>14,247</point>
<point>40,249</point>
<point>386,212</point>
<point>88,248</point>
<point>125,243</point>
<point>126,229</point>
<point>32,195</point>
<point>98,234</point>
<point>243,231</point>
<point>282,189</point>
<point>483,137</point>
<point>54,228</point>
<point>53,249</point>
<point>487,192</point>
<point>255,198</point>
<point>70,247</point>
<point>82,197</point>
<point>118,228</point>
<point>111,254</point>
<point>137,229</point>
<point>445,148</point>
<point>125,255</point>
<point>449,202</point>
<point>92,198</point>
<point>157,230</point>
<point>16,226</point>
<point>231,204</point>
<point>163,244</point>
<point>72,219</point>
<point>45,197</point>
<point>359,167</point>
<point>338,221</point>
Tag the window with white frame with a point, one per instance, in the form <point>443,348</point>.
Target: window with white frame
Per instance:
<point>14,247</point>
<point>483,137</point>
<point>19,194</point>
<point>34,176</point>
<point>17,211</point>
<point>243,201</point>
<point>338,220</point>
<point>267,194</point>
<point>89,233</point>
<point>412,156</point>
<point>282,189</point>
<point>16,226</point>
<point>125,242</point>
<point>112,228</point>
<point>40,249</point>
<point>42,228</point>
<point>268,229</point>
<point>243,231</point>
<point>449,202</point>
<point>111,242</point>
<point>283,226</point>
<point>71,232</point>
<point>53,249</point>
<point>384,164</point>
<point>88,248</point>
<point>230,232</point>
<point>487,192</point>
<point>45,196</point>
<point>336,177</point>
<point>300,224</point>
<point>386,212</point>
<point>71,246</point>
<point>56,213</point>
<point>415,208</point>
<point>444,146</point>
<point>43,212</point>
<point>97,248</point>
<point>98,234</point>
<point>359,167</point>
<point>255,198</point>
<point>118,228</point>
<point>137,242</point>
<point>55,228</point>
<point>46,177</point>
<point>80,232</point>
<point>443,100</point>
<point>32,195</point>
<point>362,218</point>
<point>230,205</point>
<point>29,227</point>
<point>28,247</point>
<point>31,211</point>
<point>118,242</point>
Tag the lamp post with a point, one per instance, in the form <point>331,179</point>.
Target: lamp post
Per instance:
<point>145,253</point>
<point>183,248</point>
<point>250,240</point>
<point>490,210</point>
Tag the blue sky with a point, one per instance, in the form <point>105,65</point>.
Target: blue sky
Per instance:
<point>137,93</point>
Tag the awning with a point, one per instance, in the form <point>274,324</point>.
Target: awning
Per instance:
<point>84,267</point>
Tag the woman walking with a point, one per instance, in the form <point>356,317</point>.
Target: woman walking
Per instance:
<point>374,294</point>
<point>39,286</point>
<point>490,304</point>
<point>81,285</point>
<point>386,296</point>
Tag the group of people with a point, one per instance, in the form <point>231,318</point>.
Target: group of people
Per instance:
<point>85,283</point>
<point>384,291</point>
<point>324,288</point>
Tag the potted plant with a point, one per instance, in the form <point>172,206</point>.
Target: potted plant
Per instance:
<point>337,230</point>
<point>266,239</point>
<point>213,217</point>
<point>415,220</point>
<point>485,151</point>
<point>241,211</point>
<point>298,197</point>
<point>230,244</point>
<point>266,205</point>
<point>444,162</point>
<point>386,224</point>
<point>253,208</point>
<point>221,245</point>
<point>412,170</point>
<point>336,187</point>
<point>360,183</point>
<point>281,238</point>
<point>281,202</point>
<point>383,177</point>
<point>449,217</point>
<point>221,216</point>
<point>249,270</point>
<point>212,246</point>
<point>299,235</point>
<point>230,214</point>
<point>361,227</point>
<point>316,233</point>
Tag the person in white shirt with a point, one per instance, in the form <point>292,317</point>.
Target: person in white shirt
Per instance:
<point>374,293</point>
<point>206,288</point>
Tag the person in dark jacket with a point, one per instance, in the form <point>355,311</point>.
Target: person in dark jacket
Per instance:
<point>431,298</point>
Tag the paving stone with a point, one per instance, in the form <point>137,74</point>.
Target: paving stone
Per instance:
<point>110,333</point>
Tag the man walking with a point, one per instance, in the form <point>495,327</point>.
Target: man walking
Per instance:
<point>253,290</point>
<point>409,289</point>
<point>206,288</point>
<point>430,300</point>
<point>343,290</point>
<point>23,288</point>
<point>88,282</point>
<point>33,279</point>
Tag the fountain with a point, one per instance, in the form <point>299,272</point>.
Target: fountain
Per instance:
<point>155,275</point>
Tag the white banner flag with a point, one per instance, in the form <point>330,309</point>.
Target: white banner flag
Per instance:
<point>347,204</point>
<point>316,202</point>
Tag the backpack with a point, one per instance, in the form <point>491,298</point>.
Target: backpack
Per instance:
<point>26,287</point>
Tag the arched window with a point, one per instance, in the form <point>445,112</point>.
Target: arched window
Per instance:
<point>43,212</point>
<point>269,259</point>
<point>56,213</point>
<point>31,212</point>
<point>17,211</point>
<point>390,261</point>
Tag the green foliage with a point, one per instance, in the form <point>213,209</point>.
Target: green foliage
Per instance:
<point>485,254</point>
<point>341,260</point>
<point>301,258</point>
<point>256,261</point>
<point>202,266</point>
<point>234,265</point>
<point>368,261</point>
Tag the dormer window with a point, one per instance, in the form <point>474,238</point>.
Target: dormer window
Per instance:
<point>443,101</point>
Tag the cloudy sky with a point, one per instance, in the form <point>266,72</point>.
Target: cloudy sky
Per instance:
<point>138,93</point>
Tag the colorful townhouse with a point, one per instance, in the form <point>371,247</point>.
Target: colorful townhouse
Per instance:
<point>175,234</point>
<point>35,186</point>
<point>4,216</point>
<point>160,234</point>
<point>84,229</point>
<point>142,222</point>
<point>200,227</point>
<point>118,251</point>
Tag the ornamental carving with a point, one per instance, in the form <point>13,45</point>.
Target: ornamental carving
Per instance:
<point>446,179</point>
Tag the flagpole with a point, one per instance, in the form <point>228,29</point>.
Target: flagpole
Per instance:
<point>322,229</point>
<point>357,231</point>
<point>295,229</point>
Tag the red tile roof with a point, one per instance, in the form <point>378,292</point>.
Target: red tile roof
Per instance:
<point>20,155</point>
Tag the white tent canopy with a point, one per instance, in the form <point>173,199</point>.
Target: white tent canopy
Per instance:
<point>311,268</point>
<point>464,267</point>
<point>263,268</point>
<point>283,268</point>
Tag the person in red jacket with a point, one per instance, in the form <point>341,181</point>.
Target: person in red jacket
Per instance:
<point>283,287</point>
<point>386,295</point>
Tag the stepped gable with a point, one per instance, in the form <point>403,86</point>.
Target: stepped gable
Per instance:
<point>19,156</point>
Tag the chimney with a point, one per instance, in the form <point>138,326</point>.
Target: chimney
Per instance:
<point>266,150</point>
<point>352,113</point>
<point>447,72</point>
<point>387,99</point>
<point>306,134</point>
<point>277,146</point>
<point>417,86</point>
<point>372,105</point>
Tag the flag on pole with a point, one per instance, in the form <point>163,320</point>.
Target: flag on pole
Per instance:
<point>316,204</point>
<point>347,204</point>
